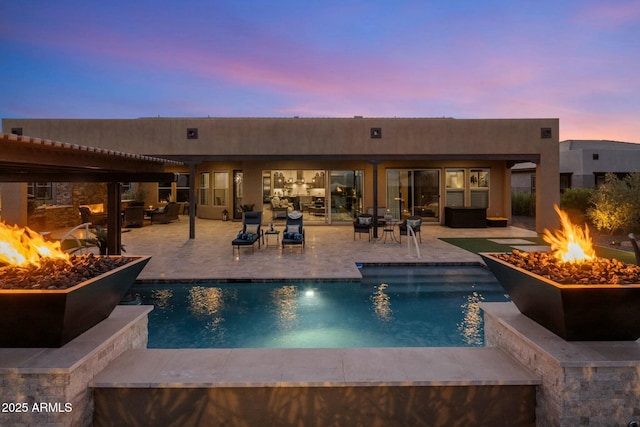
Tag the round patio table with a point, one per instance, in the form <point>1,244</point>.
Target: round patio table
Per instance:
<point>389,228</point>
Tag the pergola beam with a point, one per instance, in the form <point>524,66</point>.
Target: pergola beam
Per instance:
<point>35,176</point>
<point>26,159</point>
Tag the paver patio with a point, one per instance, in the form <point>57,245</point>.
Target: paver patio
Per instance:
<point>330,253</point>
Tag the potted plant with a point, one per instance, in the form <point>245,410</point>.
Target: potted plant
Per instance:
<point>100,239</point>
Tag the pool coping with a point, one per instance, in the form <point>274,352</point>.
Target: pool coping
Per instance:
<point>317,367</point>
<point>310,279</point>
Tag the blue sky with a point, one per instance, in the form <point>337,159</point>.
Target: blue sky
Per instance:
<point>578,61</point>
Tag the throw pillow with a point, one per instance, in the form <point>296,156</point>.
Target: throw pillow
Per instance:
<point>364,220</point>
<point>293,228</point>
<point>251,228</point>
<point>413,223</point>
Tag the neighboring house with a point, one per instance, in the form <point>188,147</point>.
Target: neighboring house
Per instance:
<point>331,169</point>
<point>583,164</point>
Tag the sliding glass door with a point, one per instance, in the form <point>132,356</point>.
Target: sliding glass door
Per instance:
<point>414,192</point>
<point>346,194</point>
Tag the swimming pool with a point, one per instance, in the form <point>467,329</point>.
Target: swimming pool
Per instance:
<point>390,307</point>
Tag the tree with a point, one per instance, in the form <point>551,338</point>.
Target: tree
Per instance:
<point>616,203</point>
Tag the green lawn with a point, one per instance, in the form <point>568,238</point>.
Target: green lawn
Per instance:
<point>481,244</point>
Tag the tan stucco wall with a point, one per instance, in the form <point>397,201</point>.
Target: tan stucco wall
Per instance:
<point>423,142</point>
<point>266,136</point>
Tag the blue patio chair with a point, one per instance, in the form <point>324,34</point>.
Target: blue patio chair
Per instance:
<point>294,231</point>
<point>250,233</point>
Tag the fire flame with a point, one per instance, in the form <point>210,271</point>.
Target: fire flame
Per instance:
<point>23,247</point>
<point>572,243</point>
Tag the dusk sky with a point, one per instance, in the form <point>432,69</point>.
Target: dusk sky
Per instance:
<point>576,60</point>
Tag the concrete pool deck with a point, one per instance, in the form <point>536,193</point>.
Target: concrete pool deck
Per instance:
<point>330,252</point>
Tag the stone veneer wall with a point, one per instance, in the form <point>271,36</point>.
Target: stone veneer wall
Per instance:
<point>87,193</point>
<point>573,392</point>
<point>65,214</point>
<point>61,386</point>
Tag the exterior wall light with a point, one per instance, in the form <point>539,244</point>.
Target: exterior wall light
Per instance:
<point>192,133</point>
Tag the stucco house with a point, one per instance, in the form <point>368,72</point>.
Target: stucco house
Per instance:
<point>583,164</point>
<point>331,169</point>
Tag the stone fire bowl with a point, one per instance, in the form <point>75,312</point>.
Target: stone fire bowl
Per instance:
<point>573,312</point>
<point>52,318</point>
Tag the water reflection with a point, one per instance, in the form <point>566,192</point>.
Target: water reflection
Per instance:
<point>285,300</point>
<point>210,303</point>
<point>161,298</point>
<point>205,301</point>
<point>216,328</point>
<point>382,303</point>
<point>471,326</point>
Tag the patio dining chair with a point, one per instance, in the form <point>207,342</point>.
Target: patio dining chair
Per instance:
<point>414,222</point>
<point>363,224</point>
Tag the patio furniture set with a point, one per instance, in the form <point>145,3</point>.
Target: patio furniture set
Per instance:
<point>252,233</point>
<point>133,214</point>
<point>363,224</point>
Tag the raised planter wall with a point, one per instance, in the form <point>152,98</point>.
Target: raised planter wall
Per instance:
<point>583,383</point>
<point>52,383</point>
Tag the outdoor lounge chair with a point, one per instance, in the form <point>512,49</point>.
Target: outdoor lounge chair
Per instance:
<point>363,224</point>
<point>134,216</point>
<point>79,240</point>
<point>294,231</point>
<point>94,218</point>
<point>414,222</point>
<point>165,214</point>
<point>250,233</point>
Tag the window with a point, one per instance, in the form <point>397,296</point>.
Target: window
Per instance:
<point>182,187</point>
<point>565,182</point>
<point>205,195</point>
<point>479,185</point>
<point>455,187</point>
<point>42,192</point>
<point>126,187</point>
<point>164,191</point>
<point>220,188</point>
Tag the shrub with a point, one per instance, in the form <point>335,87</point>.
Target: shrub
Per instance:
<point>523,204</point>
<point>576,198</point>
<point>616,204</point>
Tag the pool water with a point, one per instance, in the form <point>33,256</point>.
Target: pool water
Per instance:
<point>390,307</point>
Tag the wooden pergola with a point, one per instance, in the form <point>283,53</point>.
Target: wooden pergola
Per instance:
<point>27,159</point>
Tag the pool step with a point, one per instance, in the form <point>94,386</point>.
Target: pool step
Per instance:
<point>441,275</point>
<point>359,386</point>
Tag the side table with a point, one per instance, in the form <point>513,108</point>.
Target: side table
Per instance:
<point>272,233</point>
